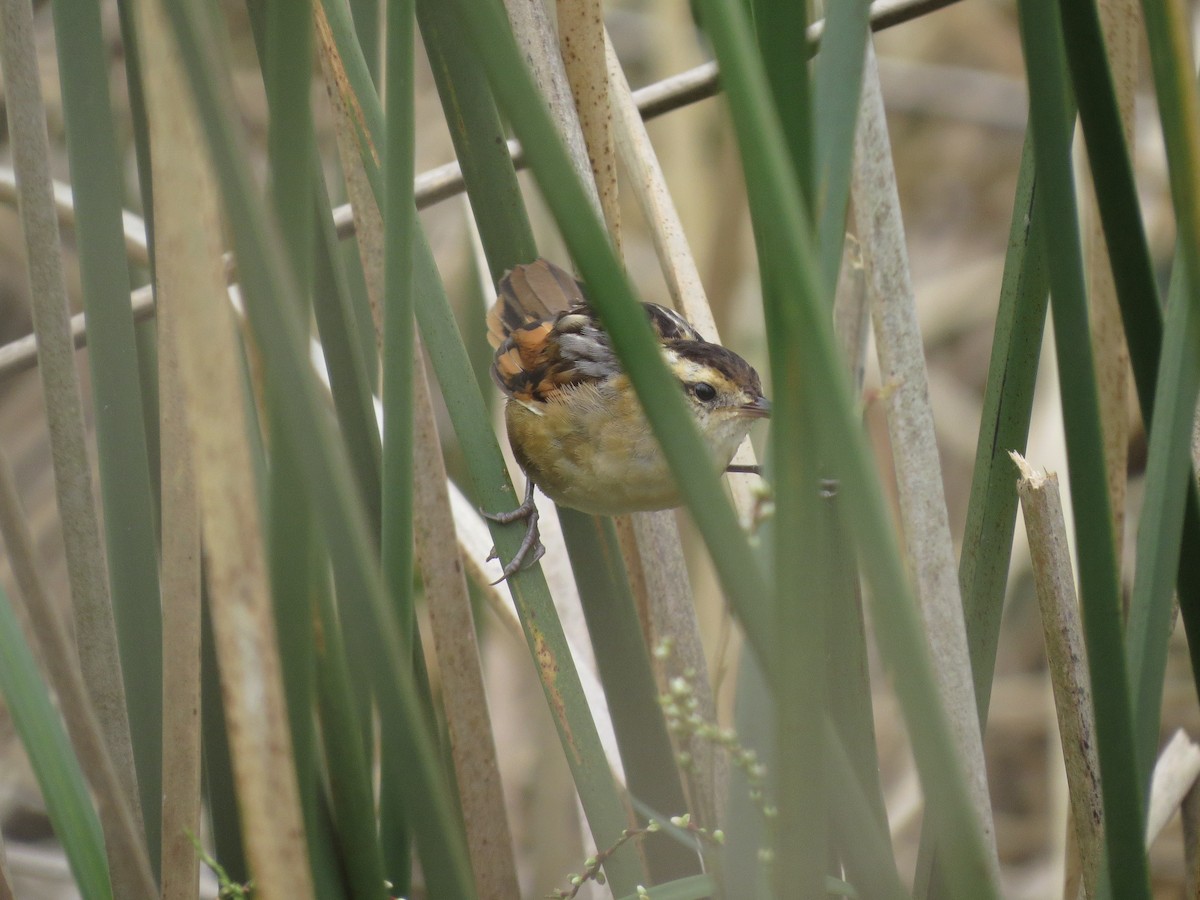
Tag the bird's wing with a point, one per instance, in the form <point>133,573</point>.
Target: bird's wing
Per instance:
<point>547,338</point>
<point>530,294</point>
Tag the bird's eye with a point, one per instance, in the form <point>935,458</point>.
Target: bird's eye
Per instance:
<point>704,391</point>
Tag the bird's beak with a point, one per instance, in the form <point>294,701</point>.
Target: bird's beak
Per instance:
<point>759,408</point>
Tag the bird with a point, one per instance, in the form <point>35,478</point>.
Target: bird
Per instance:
<point>574,422</point>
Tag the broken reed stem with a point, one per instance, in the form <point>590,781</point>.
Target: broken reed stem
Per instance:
<point>1062,629</point>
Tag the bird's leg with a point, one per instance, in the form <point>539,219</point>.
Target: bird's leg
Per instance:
<point>532,542</point>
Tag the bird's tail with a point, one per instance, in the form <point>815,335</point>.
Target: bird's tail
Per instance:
<point>528,294</point>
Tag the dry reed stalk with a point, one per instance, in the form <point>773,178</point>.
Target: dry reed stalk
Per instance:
<point>539,46</point>
<point>1062,629</point>
<point>670,610</point>
<point>473,747</point>
<point>648,185</point>
<point>192,277</point>
<point>1175,774</point>
<point>1175,786</point>
<point>95,627</point>
<point>577,62</point>
<point>47,634</point>
<point>181,627</point>
<point>581,42</point>
<point>1121,22</point>
<point>910,425</point>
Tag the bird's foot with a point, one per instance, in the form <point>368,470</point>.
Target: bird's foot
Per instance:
<point>531,549</point>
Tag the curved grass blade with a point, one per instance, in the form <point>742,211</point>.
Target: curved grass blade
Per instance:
<point>624,668</point>
<point>399,215</point>
<point>864,841</point>
<point>366,27</point>
<point>220,789</point>
<point>837,86</point>
<point>1179,107</point>
<point>803,582</point>
<point>781,28</point>
<point>1003,426</point>
<point>346,357</point>
<point>966,861</point>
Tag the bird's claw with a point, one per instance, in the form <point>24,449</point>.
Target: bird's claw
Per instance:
<point>531,549</point>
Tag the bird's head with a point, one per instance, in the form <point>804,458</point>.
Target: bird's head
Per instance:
<point>723,391</point>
